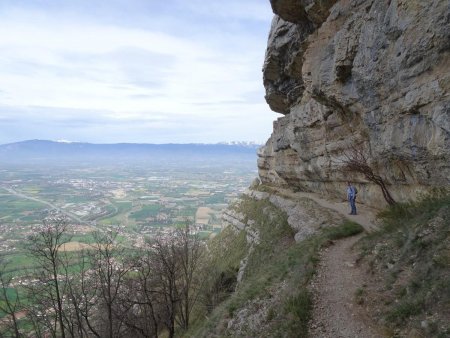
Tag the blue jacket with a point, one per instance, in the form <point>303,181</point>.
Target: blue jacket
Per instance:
<point>351,192</point>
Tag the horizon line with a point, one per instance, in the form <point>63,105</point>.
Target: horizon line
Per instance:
<point>62,141</point>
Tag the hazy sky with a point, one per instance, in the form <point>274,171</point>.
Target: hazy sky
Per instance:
<point>172,71</point>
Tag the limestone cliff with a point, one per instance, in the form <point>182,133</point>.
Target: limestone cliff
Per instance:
<point>375,74</point>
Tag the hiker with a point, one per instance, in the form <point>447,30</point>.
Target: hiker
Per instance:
<point>351,196</point>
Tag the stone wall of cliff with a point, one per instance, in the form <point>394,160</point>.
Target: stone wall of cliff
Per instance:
<point>373,74</point>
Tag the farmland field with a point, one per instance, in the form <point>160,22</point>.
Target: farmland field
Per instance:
<point>140,201</point>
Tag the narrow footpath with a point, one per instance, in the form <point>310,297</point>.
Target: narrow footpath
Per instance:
<point>339,279</point>
<point>366,216</point>
<point>336,313</point>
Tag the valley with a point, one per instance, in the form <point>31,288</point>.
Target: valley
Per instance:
<point>139,200</point>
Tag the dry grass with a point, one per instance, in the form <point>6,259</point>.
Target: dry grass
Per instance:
<point>75,246</point>
<point>409,259</point>
<point>203,215</point>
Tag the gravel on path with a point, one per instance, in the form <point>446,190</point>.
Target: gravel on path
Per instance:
<point>335,311</point>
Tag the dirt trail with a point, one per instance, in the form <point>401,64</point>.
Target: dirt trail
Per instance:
<point>366,216</point>
<point>335,312</point>
<point>338,280</point>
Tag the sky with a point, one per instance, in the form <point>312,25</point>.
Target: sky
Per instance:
<point>138,71</point>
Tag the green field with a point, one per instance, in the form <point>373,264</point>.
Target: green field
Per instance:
<point>104,198</point>
<point>17,262</point>
<point>204,234</point>
<point>146,211</point>
<point>75,198</point>
<point>11,294</point>
<point>16,208</point>
<point>123,206</point>
<point>87,238</point>
<point>121,216</point>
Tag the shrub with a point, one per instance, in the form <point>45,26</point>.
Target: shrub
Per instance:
<point>347,229</point>
<point>300,307</point>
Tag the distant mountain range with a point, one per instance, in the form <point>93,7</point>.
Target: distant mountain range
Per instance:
<point>42,151</point>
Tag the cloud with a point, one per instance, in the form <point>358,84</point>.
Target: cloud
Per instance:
<point>80,125</point>
<point>157,68</point>
<point>231,9</point>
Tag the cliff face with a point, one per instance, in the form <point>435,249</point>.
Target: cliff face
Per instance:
<point>359,73</point>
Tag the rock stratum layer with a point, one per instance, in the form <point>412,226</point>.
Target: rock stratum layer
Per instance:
<point>358,73</point>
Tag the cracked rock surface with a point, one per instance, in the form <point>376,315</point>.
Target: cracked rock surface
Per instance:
<point>372,74</point>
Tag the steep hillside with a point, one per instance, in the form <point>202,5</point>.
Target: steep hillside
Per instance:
<point>353,79</point>
<point>408,261</point>
<point>289,267</point>
<point>359,73</point>
<point>261,266</point>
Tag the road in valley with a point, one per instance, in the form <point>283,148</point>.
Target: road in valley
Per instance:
<point>54,207</point>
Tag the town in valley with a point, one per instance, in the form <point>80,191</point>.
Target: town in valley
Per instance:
<point>137,200</point>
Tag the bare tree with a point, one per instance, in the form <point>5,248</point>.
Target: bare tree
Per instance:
<point>107,261</point>
<point>71,316</point>
<point>41,312</point>
<point>81,292</point>
<point>166,269</point>
<point>141,308</point>
<point>38,322</point>
<point>189,252</point>
<point>165,284</point>
<point>9,303</point>
<point>88,290</point>
<point>89,294</point>
<point>45,248</point>
<point>143,305</point>
<point>175,264</point>
<point>355,160</point>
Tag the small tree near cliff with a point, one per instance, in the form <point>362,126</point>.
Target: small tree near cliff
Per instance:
<point>45,247</point>
<point>9,303</point>
<point>355,160</point>
<point>189,252</point>
<point>108,262</point>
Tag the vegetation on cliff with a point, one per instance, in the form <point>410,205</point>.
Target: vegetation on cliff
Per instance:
<point>106,290</point>
<point>406,263</point>
<point>409,264</point>
<point>272,298</point>
<point>255,281</point>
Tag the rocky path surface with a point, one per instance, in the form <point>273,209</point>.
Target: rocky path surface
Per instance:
<point>366,216</point>
<point>335,312</point>
<point>339,278</point>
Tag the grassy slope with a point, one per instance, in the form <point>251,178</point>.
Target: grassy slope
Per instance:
<point>409,259</point>
<point>273,291</point>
